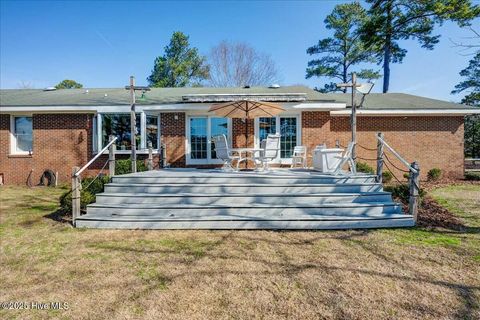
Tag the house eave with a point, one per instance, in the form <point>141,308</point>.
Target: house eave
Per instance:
<point>406,112</point>
<point>173,107</point>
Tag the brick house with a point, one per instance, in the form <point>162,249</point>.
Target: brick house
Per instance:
<point>60,129</point>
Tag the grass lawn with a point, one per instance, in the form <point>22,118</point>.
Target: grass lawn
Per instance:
<point>411,273</point>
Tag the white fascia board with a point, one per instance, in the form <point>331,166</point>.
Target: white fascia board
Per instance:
<point>205,106</point>
<point>319,106</point>
<point>70,109</point>
<point>418,112</point>
<point>174,107</point>
<point>49,109</point>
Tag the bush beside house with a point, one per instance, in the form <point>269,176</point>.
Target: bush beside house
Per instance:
<point>92,186</point>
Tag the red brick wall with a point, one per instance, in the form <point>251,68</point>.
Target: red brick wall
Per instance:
<point>238,133</point>
<point>60,141</point>
<point>435,142</point>
<point>173,136</point>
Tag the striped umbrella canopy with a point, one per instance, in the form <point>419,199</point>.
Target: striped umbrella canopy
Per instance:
<point>246,109</point>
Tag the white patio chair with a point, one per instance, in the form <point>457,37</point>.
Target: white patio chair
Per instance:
<point>299,157</point>
<point>270,149</point>
<point>344,159</point>
<point>224,153</point>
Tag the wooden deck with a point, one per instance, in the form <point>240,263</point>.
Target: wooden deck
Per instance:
<point>212,199</point>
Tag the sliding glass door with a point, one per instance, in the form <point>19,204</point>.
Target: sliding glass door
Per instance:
<point>200,130</point>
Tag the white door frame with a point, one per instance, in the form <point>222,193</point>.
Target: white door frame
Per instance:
<point>277,131</point>
<point>208,160</point>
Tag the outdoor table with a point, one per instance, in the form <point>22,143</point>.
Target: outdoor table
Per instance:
<point>245,152</point>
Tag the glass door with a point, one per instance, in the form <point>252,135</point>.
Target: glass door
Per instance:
<point>217,126</point>
<point>198,138</point>
<point>287,127</point>
<point>200,133</point>
<point>288,139</point>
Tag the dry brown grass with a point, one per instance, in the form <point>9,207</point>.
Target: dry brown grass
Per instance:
<point>112,274</point>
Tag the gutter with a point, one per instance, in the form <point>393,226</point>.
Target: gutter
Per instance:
<point>406,112</point>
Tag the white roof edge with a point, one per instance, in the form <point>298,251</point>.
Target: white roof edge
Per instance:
<point>246,94</point>
<point>320,105</point>
<point>159,107</point>
<point>407,112</point>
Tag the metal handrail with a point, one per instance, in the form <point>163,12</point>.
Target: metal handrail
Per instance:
<point>395,153</point>
<point>95,158</point>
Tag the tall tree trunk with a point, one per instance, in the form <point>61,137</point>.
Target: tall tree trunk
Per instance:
<point>387,53</point>
<point>386,67</point>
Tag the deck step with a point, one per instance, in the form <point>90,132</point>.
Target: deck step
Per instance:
<point>245,210</point>
<point>211,199</point>
<point>225,199</point>
<point>245,179</point>
<point>229,222</point>
<point>211,188</point>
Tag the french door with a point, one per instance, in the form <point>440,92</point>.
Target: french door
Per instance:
<point>200,130</point>
<point>289,129</point>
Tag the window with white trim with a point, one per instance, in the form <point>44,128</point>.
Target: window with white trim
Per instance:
<point>151,130</point>
<point>22,134</point>
<point>286,126</point>
<point>200,130</point>
<point>118,125</point>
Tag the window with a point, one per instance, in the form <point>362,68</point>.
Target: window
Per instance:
<point>118,125</point>
<point>151,129</point>
<point>287,127</point>
<point>288,139</point>
<point>267,126</point>
<point>198,138</point>
<point>200,132</point>
<point>218,126</point>
<point>22,135</point>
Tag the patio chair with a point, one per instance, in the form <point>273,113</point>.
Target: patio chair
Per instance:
<point>344,159</point>
<point>299,157</point>
<point>224,153</point>
<point>270,149</point>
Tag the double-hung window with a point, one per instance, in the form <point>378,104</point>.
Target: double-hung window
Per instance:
<point>22,135</point>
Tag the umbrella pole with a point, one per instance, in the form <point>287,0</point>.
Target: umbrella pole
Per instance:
<point>246,139</point>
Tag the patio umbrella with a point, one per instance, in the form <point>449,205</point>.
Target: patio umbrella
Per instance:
<point>246,109</point>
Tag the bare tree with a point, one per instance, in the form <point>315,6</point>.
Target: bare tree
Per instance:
<point>238,65</point>
<point>468,45</point>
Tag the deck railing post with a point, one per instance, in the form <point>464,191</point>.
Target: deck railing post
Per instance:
<point>150,156</point>
<point>76,187</point>
<point>380,158</point>
<point>162,155</point>
<point>111,157</point>
<point>414,182</point>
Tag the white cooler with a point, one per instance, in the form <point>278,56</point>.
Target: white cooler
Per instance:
<point>326,160</point>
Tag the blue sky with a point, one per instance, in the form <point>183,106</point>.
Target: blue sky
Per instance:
<point>100,44</point>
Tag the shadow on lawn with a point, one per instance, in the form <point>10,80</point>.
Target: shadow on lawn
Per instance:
<point>286,266</point>
<point>60,215</point>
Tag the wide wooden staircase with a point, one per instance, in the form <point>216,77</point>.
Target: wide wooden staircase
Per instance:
<point>212,199</point>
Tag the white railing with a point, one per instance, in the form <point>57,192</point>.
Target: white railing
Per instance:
<point>77,181</point>
<point>413,177</point>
